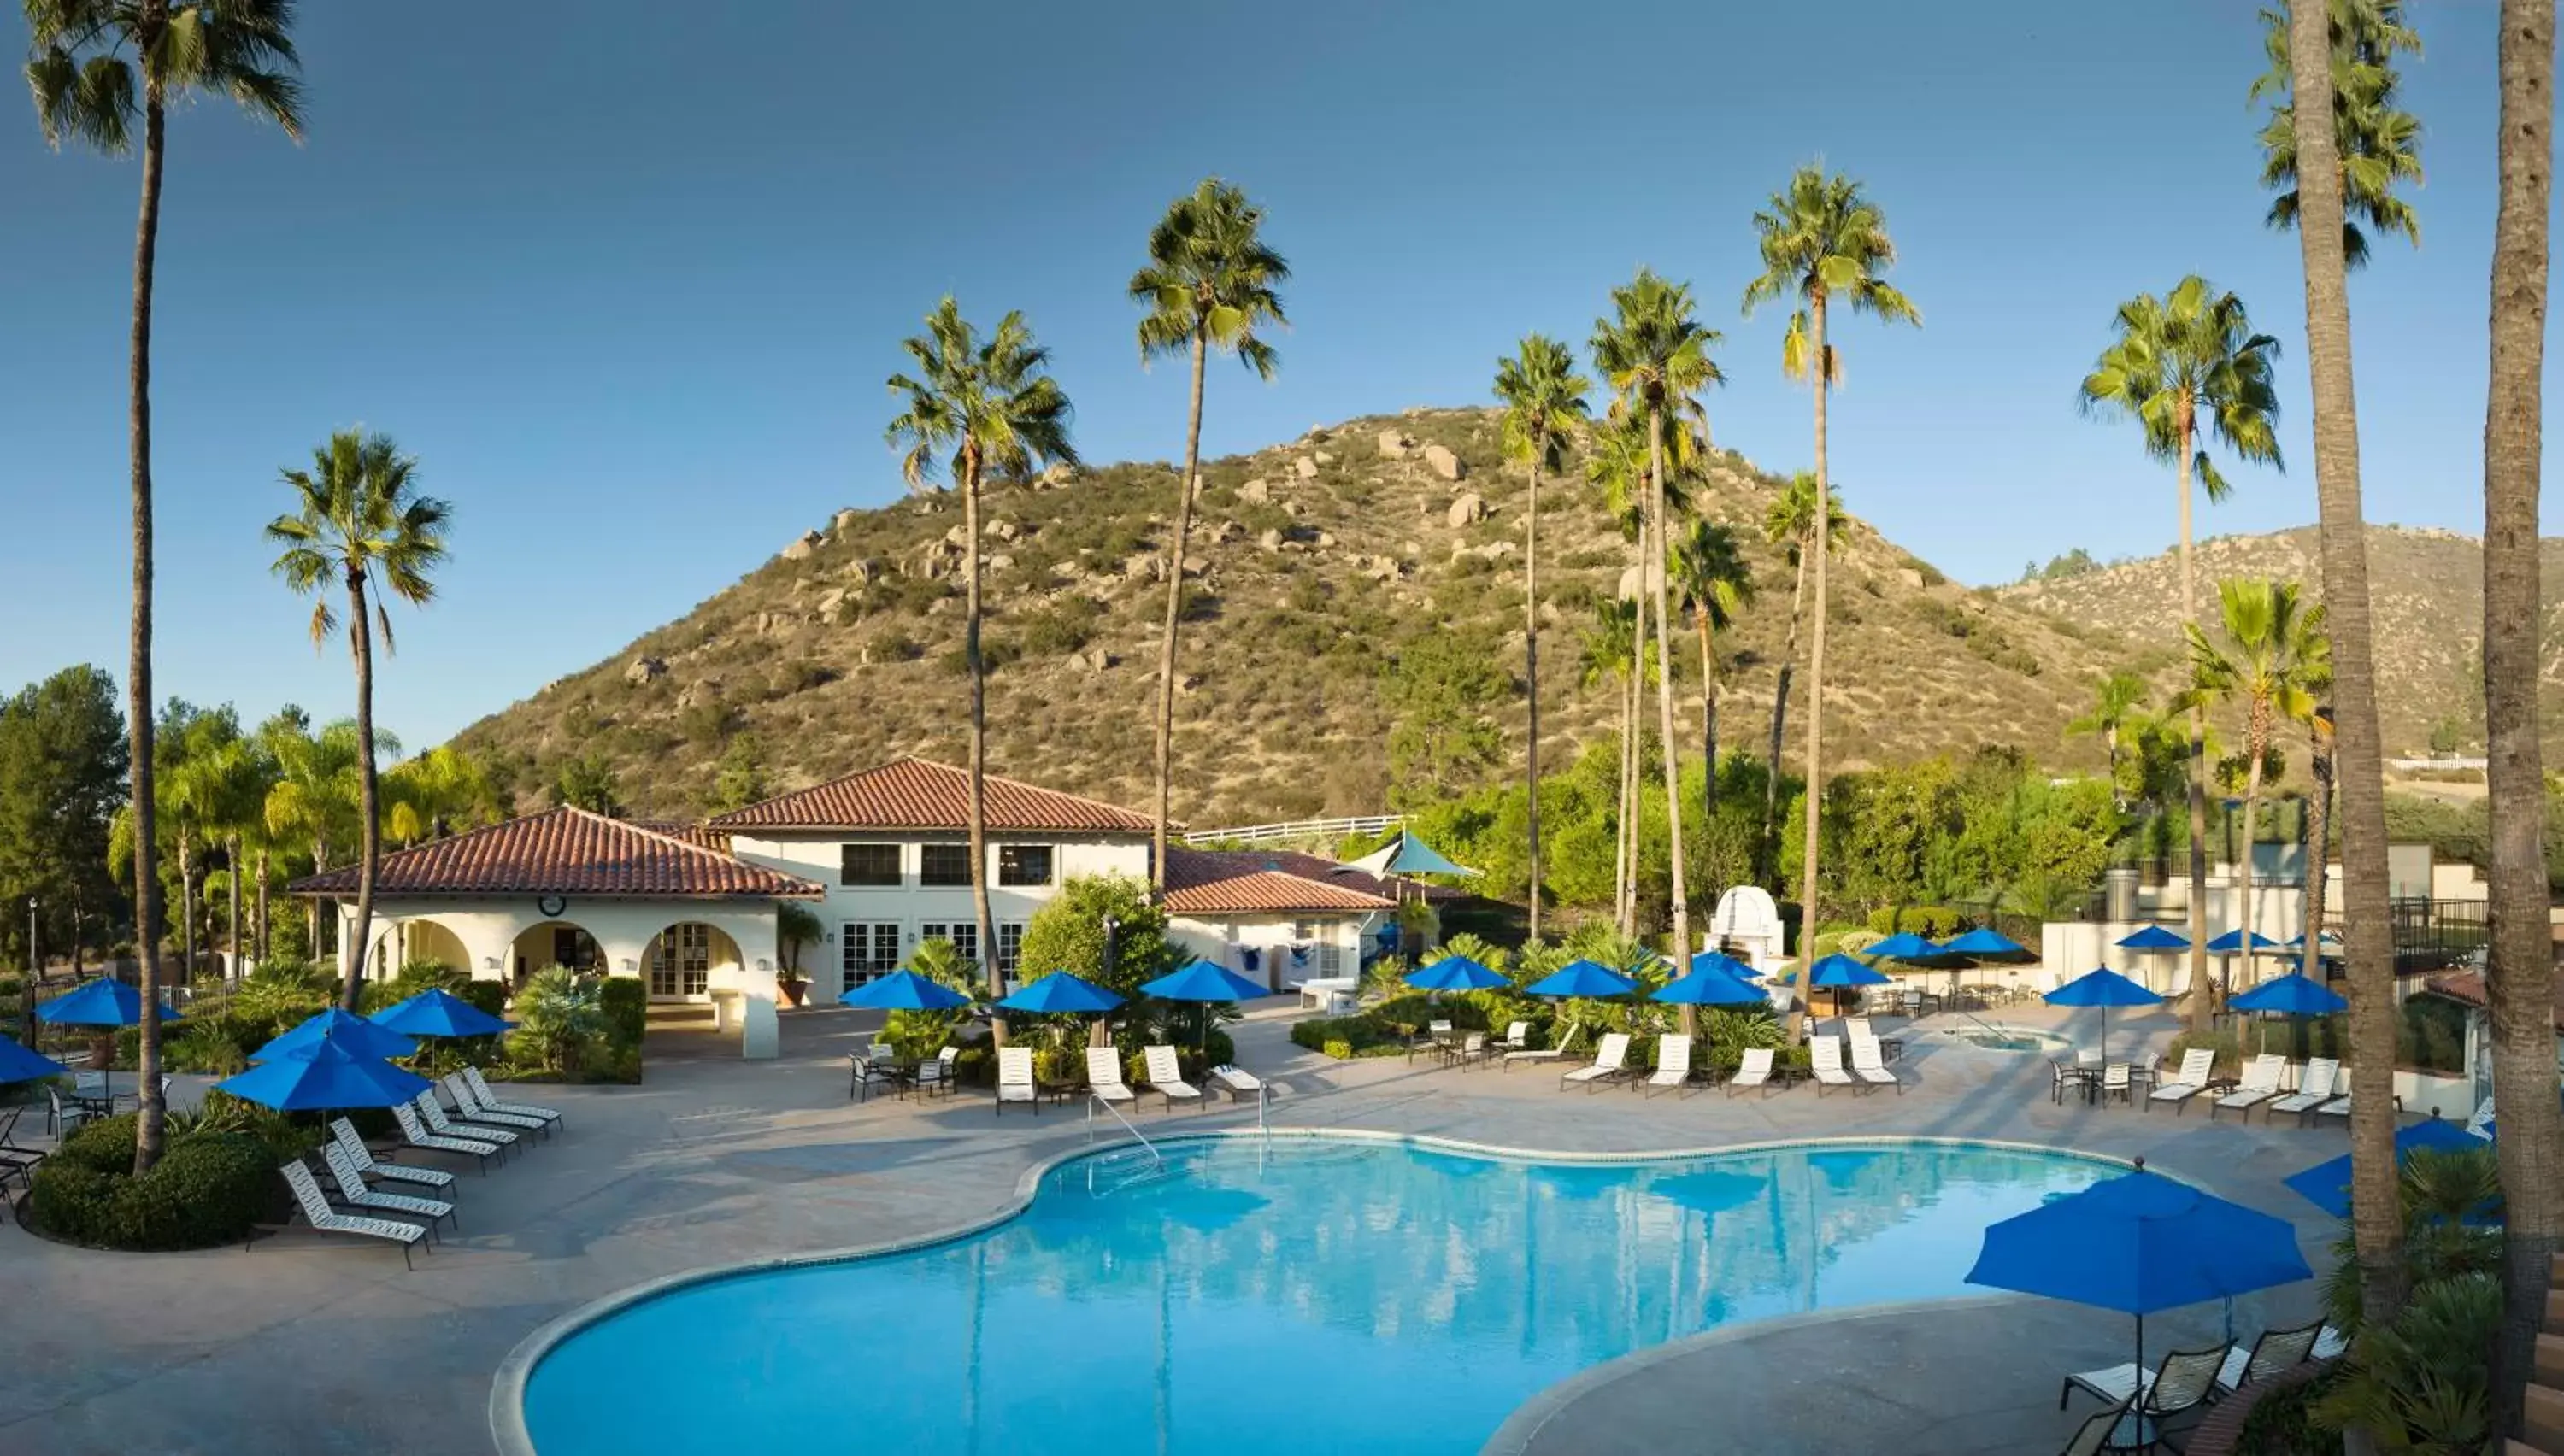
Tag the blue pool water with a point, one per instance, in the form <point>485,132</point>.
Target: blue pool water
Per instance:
<point>1276,1299</point>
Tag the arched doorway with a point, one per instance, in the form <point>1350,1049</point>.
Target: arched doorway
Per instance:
<point>409,941</point>
<point>553,942</point>
<point>682,957</point>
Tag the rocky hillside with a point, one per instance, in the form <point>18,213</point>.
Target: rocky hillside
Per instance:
<point>1318,561</point>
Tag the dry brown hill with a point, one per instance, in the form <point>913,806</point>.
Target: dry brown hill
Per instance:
<point>1318,561</point>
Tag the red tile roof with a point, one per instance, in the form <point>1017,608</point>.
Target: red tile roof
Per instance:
<point>1245,882</point>
<point>2468,986</point>
<point>567,851</point>
<point>912,793</point>
<point>1319,867</point>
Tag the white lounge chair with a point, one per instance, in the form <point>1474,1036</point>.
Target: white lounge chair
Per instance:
<point>1517,1037</point>
<point>1544,1054</point>
<point>1610,1064</point>
<point>1824,1063</point>
<point>352,1192</point>
<point>2482,1120</point>
<point>1104,1076</point>
<point>415,1133</point>
<point>1167,1078</point>
<point>2189,1081</point>
<point>1856,1028</point>
<point>467,1103</point>
<point>1239,1083</point>
<point>1870,1067</point>
<point>491,1100</point>
<point>1753,1070</point>
<point>326,1219</point>
<point>343,1133</point>
<point>2186,1381</point>
<point>2261,1083</point>
<point>1016,1079</point>
<point>1673,1064</point>
<point>2274,1352</point>
<point>432,1112</point>
<point>2314,1089</point>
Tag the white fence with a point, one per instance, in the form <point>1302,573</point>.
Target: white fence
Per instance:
<point>1297,830</point>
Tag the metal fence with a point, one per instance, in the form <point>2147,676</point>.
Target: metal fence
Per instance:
<point>1296,831</point>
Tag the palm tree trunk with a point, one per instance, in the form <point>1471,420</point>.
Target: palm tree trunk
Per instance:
<point>261,906</point>
<point>2203,1004</point>
<point>1816,677</point>
<point>1531,687</point>
<point>232,952</point>
<point>369,824</point>
<point>1176,613</point>
<point>186,906</point>
<point>150,1124</point>
<point>2318,853</point>
<point>1666,702</point>
<point>1708,720</point>
<point>2255,742</point>
<point>1630,797</point>
<point>1767,846</point>
<point>2521,975</point>
<point>980,732</point>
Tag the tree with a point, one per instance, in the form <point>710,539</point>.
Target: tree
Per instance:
<point>1619,467</point>
<point>588,782</point>
<point>2118,700</point>
<point>361,526</point>
<point>2521,975</point>
<point>1610,652</point>
<point>795,926</point>
<point>1789,521</point>
<point>311,806</point>
<point>2375,144</point>
<point>1545,409</point>
<point>1710,572</point>
<point>1441,740</point>
<point>1211,283</point>
<point>1655,354</point>
<point>993,406</point>
<point>1822,239</point>
<point>1069,933</point>
<point>2179,361</point>
<point>92,65</point>
<point>2278,654</point>
<point>743,778</point>
<point>61,774</point>
<point>439,792</point>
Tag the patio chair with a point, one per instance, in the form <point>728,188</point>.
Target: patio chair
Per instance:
<point>1824,1063</point>
<point>353,1193</point>
<point>62,1118</point>
<point>2261,1083</point>
<point>1016,1079</point>
<point>326,1219</point>
<point>1104,1077</point>
<point>2143,1070</point>
<point>1870,1067</point>
<point>416,1135</point>
<point>1673,1064</point>
<point>1544,1054</point>
<point>432,1112</point>
<point>2094,1435</point>
<point>2116,1082</point>
<point>467,1103</point>
<point>2186,1381</point>
<point>935,1074</point>
<point>2062,1074</point>
<point>1167,1078</point>
<point>2189,1081</point>
<point>867,1069</point>
<point>13,1159</point>
<point>489,1099</point>
<point>343,1135</point>
<point>1610,1064</point>
<point>2314,1089</point>
<point>2274,1352</point>
<point>1753,1070</point>
<point>1472,1048</point>
<point>2088,1059</point>
<point>1238,1082</point>
<point>1517,1037</point>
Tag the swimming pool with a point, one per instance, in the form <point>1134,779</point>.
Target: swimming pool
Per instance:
<point>1261,1297</point>
<point>1995,1036</point>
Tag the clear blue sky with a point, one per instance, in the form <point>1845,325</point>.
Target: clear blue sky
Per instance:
<point>627,279</point>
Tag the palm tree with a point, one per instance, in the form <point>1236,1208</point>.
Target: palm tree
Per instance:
<point>995,408</point>
<point>1544,409</point>
<point>434,794</point>
<point>1822,239</point>
<point>361,526</point>
<point>1611,652</point>
<point>1789,523</point>
<point>1618,467</point>
<point>2278,654</point>
<point>1655,354</point>
<point>1710,570</point>
<point>2187,360</point>
<point>2118,702</point>
<point>2375,142</point>
<point>1211,283</point>
<point>2521,975</point>
<point>82,57</point>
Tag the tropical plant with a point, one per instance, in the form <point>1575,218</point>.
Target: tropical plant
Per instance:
<point>1789,521</point>
<point>1211,283</point>
<point>587,781</point>
<point>1710,572</point>
<point>1545,409</point>
<point>360,525</point>
<point>2375,144</point>
<point>1821,240</point>
<point>2420,1382</point>
<point>795,926</point>
<point>920,1034</point>
<point>93,66</point>
<point>2118,702</point>
<point>995,408</point>
<point>559,1012</point>
<point>440,792</point>
<point>2181,361</point>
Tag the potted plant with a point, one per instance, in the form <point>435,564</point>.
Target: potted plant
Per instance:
<point>794,925</point>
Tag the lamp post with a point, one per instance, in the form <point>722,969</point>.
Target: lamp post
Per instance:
<point>1111,929</point>
<point>35,972</point>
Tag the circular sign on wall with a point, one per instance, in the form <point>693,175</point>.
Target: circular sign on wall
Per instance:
<point>551,905</point>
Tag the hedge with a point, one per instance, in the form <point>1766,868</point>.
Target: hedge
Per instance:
<point>1930,921</point>
<point>208,1188</point>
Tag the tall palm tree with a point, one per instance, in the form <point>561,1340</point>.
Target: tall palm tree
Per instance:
<point>435,794</point>
<point>2376,143</point>
<point>1655,353</point>
<point>1710,572</point>
<point>312,805</point>
<point>359,525</point>
<point>1545,409</point>
<point>2179,363</point>
<point>2521,975</point>
<point>1618,467</point>
<point>92,64</point>
<point>2275,655</point>
<point>2118,702</point>
<point>1821,240</point>
<point>1211,283</point>
<point>1789,523</point>
<point>993,406</point>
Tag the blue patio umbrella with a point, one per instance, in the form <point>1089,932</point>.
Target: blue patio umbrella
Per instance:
<point>1205,983</point>
<point>2139,1244</point>
<point>2233,942</point>
<point>903,991</point>
<point>17,1063</point>
<point>324,1075</point>
<point>1455,973</point>
<point>2105,988</point>
<point>103,1002</point>
<point>2327,1184</point>
<point>1985,945</point>
<point>437,1012</point>
<point>1721,961</point>
<point>2154,941</point>
<point>1903,946</point>
<point>351,1032</point>
<point>1588,978</point>
<point>1835,973</point>
<point>1061,993</point>
<point>1709,988</point>
<point>2290,995</point>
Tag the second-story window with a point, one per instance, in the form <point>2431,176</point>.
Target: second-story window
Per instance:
<point>944,863</point>
<point>867,864</point>
<point>1024,864</point>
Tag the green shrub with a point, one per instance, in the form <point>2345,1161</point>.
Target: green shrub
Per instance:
<point>626,1003</point>
<point>485,995</point>
<point>1341,1050</point>
<point>556,1017</point>
<point>208,1188</point>
<point>1932,921</point>
<point>2230,1055</point>
<point>2282,1423</point>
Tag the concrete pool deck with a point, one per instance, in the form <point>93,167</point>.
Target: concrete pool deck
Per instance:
<point>312,1345</point>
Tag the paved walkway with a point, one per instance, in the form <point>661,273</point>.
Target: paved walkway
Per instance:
<point>311,1344</point>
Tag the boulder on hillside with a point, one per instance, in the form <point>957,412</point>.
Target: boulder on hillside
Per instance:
<point>698,693</point>
<point>1910,578</point>
<point>845,521</point>
<point>1005,530</point>
<point>1255,491</point>
<point>862,569</point>
<point>1001,561</point>
<point>1307,468</point>
<point>1443,463</point>
<point>1141,566</point>
<point>642,671</point>
<point>1269,541</point>
<point>1394,444</point>
<point>1322,457</point>
<point>802,547</point>
<point>1468,509</point>
<point>957,538</point>
<point>1054,478</point>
